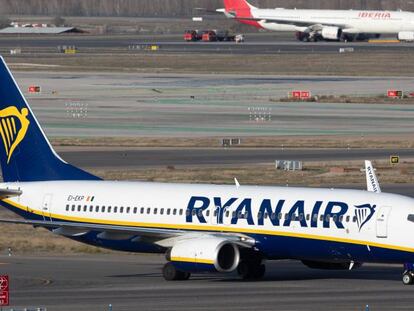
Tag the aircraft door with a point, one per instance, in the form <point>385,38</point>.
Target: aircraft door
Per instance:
<point>383,215</point>
<point>46,207</point>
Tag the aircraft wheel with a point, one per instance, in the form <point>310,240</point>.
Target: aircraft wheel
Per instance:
<point>170,273</point>
<point>407,278</point>
<point>259,271</point>
<point>248,270</point>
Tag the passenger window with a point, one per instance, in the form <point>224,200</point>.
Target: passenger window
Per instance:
<point>259,214</point>
<point>109,209</point>
<point>97,209</point>
<point>315,217</point>
<point>194,212</point>
<point>300,217</point>
<point>142,210</point>
<point>148,210</point>
<point>215,212</point>
<point>91,208</point>
<point>168,211</point>
<point>239,215</point>
<point>79,208</point>
<point>321,218</point>
<point>347,218</point>
<point>115,209</point>
<point>73,208</point>
<point>280,216</point>
<point>200,212</point>
<point>181,212</point>
<point>67,207</point>
<point>135,210</point>
<point>121,209</point>
<point>227,213</point>
<point>155,211</point>
<point>85,208</point>
<point>265,215</point>
<point>208,213</point>
<point>307,216</point>
<point>286,216</point>
<point>273,216</point>
<point>234,214</point>
<point>103,209</point>
<point>174,211</point>
<point>354,219</point>
<point>128,209</point>
<point>327,217</point>
<point>335,217</point>
<point>161,211</point>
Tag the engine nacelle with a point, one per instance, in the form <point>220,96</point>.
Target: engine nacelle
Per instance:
<point>330,265</point>
<point>406,36</point>
<point>207,254</point>
<point>331,33</point>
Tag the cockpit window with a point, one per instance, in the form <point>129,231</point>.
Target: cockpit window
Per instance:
<point>410,217</point>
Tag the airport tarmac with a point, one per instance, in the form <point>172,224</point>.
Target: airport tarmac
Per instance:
<point>255,44</point>
<point>184,105</point>
<point>134,282</point>
<point>127,158</point>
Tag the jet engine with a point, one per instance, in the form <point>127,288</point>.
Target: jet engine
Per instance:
<point>406,36</point>
<point>331,33</point>
<point>205,255</point>
<point>331,265</point>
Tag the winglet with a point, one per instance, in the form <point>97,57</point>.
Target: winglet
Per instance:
<point>236,182</point>
<point>372,180</point>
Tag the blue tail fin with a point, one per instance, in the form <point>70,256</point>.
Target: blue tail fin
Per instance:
<point>25,152</point>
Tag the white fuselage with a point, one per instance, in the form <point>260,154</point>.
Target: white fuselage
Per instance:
<point>369,22</point>
<point>177,206</point>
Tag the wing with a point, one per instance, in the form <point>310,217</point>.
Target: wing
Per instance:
<point>163,237</point>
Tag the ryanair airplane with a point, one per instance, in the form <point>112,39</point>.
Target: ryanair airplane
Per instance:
<point>200,228</point>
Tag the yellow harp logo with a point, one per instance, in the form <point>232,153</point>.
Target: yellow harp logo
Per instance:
<point>13,128</point>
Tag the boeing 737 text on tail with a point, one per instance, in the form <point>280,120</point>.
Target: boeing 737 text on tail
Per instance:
<point>313,25</point>
<point>200,228</point>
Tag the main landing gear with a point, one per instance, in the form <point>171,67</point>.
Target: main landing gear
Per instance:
<point>251,266</point>
<point>170,273</point>
<point>408,274</point>
<point>251,270</point>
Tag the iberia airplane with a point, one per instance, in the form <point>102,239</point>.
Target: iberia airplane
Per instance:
<point>200,228</point>
<point>313,25</point>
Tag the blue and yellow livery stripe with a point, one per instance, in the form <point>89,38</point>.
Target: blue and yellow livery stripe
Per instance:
<point>209,228</point>
<point>193,260</point>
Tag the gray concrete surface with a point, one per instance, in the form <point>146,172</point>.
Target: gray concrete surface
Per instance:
<point>255,44</point>
<point>134,282</point>
<point>161,157</point>
<point>97,104</point>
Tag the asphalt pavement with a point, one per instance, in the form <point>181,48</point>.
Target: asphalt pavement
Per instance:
<point>161,157</point>
<point>134,282</point>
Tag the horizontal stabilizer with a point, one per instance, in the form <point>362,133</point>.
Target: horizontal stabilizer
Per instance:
<point>9,193</point>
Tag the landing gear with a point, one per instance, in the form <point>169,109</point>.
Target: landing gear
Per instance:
<point>170,273</point>
<point>251,270</point>
<point>408,278</point>
<point>408,274</point>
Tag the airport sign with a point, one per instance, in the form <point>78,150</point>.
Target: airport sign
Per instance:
<point>300,94</point>
<point>34,89</point>
<point>4,290</point>
<point>394,159</point>
<point>395,93</point>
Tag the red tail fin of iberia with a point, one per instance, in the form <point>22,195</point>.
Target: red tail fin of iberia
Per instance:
<point>242,11</point>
